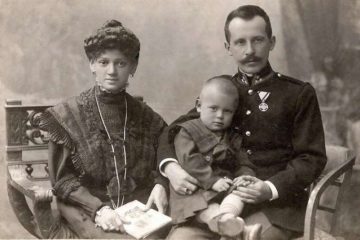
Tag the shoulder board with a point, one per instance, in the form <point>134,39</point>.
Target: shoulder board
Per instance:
<point>289,79</point>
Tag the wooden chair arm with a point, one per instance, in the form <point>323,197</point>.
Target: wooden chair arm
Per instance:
<point>331,178</point>
<point>39,221</point>
<point>36,190</point>
<point>22,211</point>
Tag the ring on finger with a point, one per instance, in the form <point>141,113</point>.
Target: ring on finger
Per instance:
<point>187,191</point>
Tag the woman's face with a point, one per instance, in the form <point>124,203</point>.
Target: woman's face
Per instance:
<point>112,70</point>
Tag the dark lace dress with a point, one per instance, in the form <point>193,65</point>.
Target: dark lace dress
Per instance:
<point>81,162</point>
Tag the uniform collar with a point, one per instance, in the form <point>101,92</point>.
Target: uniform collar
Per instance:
<point>263,75</point>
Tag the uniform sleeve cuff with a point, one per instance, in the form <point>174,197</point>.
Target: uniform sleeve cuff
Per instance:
<point>273,189</point>
<point>163,163</point>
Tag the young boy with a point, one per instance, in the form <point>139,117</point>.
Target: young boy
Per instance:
<point>210,150</point>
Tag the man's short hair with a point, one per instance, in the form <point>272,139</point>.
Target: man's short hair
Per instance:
<point>247,12</point>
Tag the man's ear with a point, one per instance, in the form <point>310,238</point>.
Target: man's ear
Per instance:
<point>272,42</point>
<point>198,105</point>
<point>227,48</point>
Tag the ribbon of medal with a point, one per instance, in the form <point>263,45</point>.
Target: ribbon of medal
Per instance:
<point>263,105</point>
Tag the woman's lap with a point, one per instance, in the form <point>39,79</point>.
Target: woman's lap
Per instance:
<point>83,226</point>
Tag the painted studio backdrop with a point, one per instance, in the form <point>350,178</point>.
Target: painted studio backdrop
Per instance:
<point>182,44</point>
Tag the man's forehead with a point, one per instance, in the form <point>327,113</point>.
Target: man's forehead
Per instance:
<point>255,25</point>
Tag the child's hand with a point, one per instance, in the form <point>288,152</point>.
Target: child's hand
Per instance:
<point>241,182</point>
<point>222,185</point>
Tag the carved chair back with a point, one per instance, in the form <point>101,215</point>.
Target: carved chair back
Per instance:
<point>27,166</point>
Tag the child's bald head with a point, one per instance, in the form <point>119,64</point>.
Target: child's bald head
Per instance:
<point>220,85</point>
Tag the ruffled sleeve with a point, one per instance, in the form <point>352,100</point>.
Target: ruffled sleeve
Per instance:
<point>57,134</point>
<point>64,177</point>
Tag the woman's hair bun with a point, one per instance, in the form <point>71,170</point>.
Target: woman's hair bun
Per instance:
<point>112,35</point>
<point>112,23</point>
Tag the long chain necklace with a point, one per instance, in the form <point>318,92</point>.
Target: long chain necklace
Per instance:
<point>113,153</point>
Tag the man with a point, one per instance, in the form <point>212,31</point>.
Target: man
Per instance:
<point>280,120</point>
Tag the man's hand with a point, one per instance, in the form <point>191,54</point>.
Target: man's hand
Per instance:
<point>222,185</point>
<point>109,220</point>
<point>159,198</point>
<point>256,192</point>
<point>241,181</point>
<point>180,180</point>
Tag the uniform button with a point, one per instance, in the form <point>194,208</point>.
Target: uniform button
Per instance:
<point>248,133</point>
<point>249,152</point>
<point>250,92</point>
<point>279,75</point>
<point>248,112</point>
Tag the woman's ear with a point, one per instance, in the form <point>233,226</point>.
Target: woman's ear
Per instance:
<point>92,66</point>
<point>133,70</point>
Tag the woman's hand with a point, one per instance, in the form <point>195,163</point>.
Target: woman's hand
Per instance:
<point>109,220</point>
<point>180,180</point>
<point>159,198</point>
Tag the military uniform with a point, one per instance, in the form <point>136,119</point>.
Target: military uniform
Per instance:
<point>283,136</point>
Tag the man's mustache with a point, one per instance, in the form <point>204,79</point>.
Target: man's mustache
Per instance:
<point>250,59</point>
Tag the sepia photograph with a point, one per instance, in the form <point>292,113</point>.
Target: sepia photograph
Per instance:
<point>237,119</point>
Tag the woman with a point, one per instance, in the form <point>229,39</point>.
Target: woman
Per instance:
<point>103,143</point>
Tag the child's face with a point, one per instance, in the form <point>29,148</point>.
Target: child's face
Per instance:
<point>216,110</point>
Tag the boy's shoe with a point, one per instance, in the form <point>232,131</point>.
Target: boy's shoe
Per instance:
<point>227,225</point>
